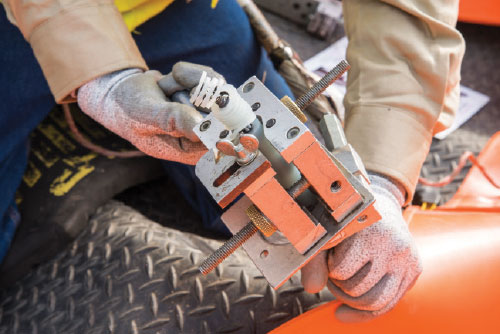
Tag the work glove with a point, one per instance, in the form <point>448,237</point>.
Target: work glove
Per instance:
<point>131,104</point>
<point>371,270</point>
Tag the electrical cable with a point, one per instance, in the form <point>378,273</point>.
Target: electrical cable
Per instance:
<point>466,156</point>
<point>93,147</point>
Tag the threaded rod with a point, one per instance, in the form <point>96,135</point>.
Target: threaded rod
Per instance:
<point>211,262</point>
<point>319,87</point>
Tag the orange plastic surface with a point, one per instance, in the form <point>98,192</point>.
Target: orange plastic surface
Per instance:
<point>479,11</point>
<point>475,191</point>
<point>459,289</point>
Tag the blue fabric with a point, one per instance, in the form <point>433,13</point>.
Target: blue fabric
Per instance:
<point>8,226</point>
<point>25,101</point>
<point>220,38</point>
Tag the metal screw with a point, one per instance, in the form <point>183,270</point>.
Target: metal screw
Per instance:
<point>264,254</point>
<point>211,262</point>
<point>248,87</point>
<point>298,188</point>
<point>292,133</point>
<point>205,125</point>
<point>270,123</point>
<point>222,100</point>
<point>255,106</point>
<point>247,128</point>
<point>223,134</point>
<point>362,219</point>
<point>320,86</point>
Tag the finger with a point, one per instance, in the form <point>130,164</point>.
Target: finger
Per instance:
<point>155,74</point>
<point>407,283</point>
<point>169,148</point>
<point>314,275</point>
<point>179,120</point>
<point>362,281</point>
<point>168,84</point>
<point>347,259</point>
<point>348,314</point>
<point>188,74</point>
<point>375,299</point>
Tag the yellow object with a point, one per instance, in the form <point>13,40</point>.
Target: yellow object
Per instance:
<point>31,175</point>
<point>79,168</point>
<point>260,221</point>
<point>136,12</point>
<point>428,206</point>
<point>288,102</point>
<point>56,138</point>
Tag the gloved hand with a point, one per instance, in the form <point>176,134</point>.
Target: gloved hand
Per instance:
<point>131,104</point>
<point>371,270</point>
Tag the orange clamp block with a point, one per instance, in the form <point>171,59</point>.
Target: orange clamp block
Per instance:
<point>324,176</point>
<point>286,214</point>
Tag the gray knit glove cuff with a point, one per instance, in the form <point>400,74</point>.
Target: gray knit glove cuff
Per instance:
<point>387,187</point>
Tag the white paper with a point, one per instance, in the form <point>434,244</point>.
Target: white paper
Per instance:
<point>327,59</point>
<point>471,101</point>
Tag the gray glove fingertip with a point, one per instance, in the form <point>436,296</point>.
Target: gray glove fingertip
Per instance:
<point>376,299</point>
<point>314,275</point>
<point>188,74</point>
<point>346,259</point>
<point>363,281</point>
<point>348,314</point>
<point>168,84</point>
<point>186,118</point>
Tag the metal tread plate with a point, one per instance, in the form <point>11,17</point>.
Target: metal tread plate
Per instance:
<point>442,159</point>
<point>126,274</point>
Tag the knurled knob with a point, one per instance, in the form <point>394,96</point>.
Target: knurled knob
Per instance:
<point>288,102</point>
<point>260,221</point>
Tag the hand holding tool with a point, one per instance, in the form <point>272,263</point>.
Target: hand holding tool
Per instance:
<point>299,197</point>
<point>371,270</point>
<point>131,104</point>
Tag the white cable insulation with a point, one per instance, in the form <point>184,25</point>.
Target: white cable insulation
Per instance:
<point>197,90</point>
<point>237,114</point>
<point>206,92</point>
<point>209,100</point>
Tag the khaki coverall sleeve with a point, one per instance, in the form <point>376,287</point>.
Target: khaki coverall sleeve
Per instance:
<point>74,41</point>
<point>404,82</point>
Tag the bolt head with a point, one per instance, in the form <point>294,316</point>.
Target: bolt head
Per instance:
<point>205,125</point>
<point>255,106</point>
<point>222,100</point>
<point>293,132</point>
<point>248,87</point>
<point>247,128</point>
<point>270,123</point>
